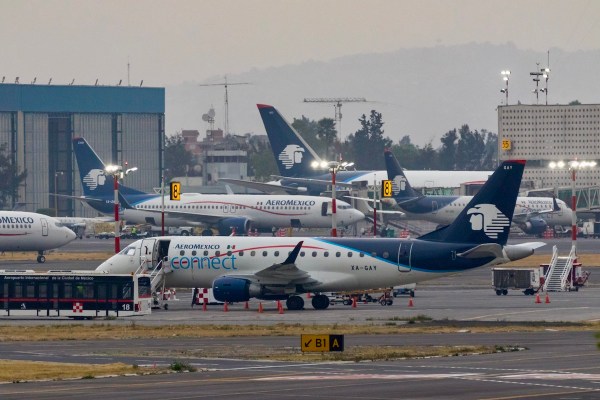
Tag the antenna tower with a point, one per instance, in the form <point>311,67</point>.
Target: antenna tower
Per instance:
<point>226,84</point>
<point>337,105</point>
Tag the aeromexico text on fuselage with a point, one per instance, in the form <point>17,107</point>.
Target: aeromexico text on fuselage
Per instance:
<point>138,200</point>
<point>16,220</point>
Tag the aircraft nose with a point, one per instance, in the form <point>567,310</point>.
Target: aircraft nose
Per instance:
<point>70,235</point>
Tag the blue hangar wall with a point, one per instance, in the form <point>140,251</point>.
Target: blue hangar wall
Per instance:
<point>38,123</point>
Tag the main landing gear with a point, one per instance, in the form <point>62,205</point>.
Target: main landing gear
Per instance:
<point>294,303</point>
<point>40,258</point>
<point>320,302</point>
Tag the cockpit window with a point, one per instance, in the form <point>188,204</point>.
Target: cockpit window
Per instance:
<point>58,224</point>
<point>128,251</point>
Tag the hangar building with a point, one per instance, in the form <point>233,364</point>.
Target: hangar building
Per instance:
<point>38,123</point>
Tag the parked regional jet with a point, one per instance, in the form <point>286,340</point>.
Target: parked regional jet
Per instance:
<point>532,214</point>
<point>27,231</point>
<point>240,212</point>
<point>295,157</point>
<point>239,268</point>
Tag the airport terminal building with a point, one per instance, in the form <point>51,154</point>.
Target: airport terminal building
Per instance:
<point>544,133</point>
<point>38,123</point>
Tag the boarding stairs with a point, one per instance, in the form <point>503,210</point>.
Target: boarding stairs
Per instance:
<point>559,271</point>
<point>157,275</point>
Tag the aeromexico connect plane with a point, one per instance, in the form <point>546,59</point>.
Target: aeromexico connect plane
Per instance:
<point>224,212</point>
<point>295,157</point>
<point>532,214</point>
<point>239,268</point>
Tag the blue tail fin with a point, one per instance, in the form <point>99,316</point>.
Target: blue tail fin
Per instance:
<point>98,188</point>
<point>292,154</point>
<point>487,217</point>
<point>401,189</point>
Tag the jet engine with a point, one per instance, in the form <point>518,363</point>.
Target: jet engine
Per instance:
<point>241,226</point>
<point>233,290</point>
<point>534,226</point>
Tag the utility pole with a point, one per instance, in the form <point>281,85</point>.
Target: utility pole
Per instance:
<point>226,85</point>
<point>337,104</point>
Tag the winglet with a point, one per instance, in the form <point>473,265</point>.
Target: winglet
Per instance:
<point>555,206</point>
<point>294,254</point>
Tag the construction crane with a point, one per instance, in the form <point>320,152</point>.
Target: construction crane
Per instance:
<point>337,105</point>
<point>226,84</point>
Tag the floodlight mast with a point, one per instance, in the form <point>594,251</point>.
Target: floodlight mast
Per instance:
<point>337,104</point>
<point>225,84</point>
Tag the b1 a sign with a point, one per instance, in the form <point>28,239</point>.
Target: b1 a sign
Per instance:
<point>322,343</point>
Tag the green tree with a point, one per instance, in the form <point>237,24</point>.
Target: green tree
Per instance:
<point>447,153</point>
<point>10,178</point>
<point>261,163</point>
<point>178,161</point>
<point>368,142</point>
<point>406,153</point>
<point>490,153</point>
<point>327,134</point>
<point>309,130</point>
<point>469,150</point>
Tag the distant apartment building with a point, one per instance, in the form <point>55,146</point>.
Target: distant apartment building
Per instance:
<point>38,123</point>
<point>544,133</point>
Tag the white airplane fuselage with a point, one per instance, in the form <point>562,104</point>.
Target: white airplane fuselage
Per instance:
<point>263,211</point>
<point>25,231</point>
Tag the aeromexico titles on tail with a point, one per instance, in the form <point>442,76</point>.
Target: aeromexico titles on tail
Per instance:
<point>533,215</point>
<point>240,268</point>
<point>295,157</point>
<point>223,212</point>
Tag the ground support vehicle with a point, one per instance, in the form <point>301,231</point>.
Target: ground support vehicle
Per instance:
<point>529,280</point>
<point>404,289</point>
<point>73,294</point>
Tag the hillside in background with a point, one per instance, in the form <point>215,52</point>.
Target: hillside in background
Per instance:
<point>420,92</point>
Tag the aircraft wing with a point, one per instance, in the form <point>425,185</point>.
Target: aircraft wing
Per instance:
<point>483,250</point>
<point>283,274</point>
<point>195,216</point>
<point>268,188</point>
<point>369,209</point>
<point>307,181</point>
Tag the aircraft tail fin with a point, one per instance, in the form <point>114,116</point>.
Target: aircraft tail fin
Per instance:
<point>293,155</point>
<point>487,217</point>
<point>401,188</point>
<point>98,187</point>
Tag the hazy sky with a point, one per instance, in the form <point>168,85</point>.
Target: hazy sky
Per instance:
<point>168,42</point>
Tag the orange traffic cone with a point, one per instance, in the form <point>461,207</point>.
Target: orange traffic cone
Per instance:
<point>547,298</point>
<point>246,306</point>
<point>354,302</point>
<point>280,309</point>
<point>204,305</point>
<point>260,307</point>
<point>308,295</point>
<point>537,298</point>
<point>225,307</point>
<point>410,302</point>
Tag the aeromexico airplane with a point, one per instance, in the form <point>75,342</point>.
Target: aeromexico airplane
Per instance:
<point>27,231</point>
<point>532,214</point>
<point>239,268</point>
<point>295,157</point>
<point>225,212</point>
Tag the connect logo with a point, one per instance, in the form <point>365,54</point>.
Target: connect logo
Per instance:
<point>399,184</point>
<point>292,154</point>
<point>487,218</point>
<point>94,178</point>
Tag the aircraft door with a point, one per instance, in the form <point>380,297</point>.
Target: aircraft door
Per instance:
<point>404,256</point>
<point>324,208</point>
<point>434,207</point>
<point>44,222</point>
<point>146,253</point>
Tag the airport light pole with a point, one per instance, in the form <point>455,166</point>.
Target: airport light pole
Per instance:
<point>505,76</point>
<point>573,167</point>
<point>56,174</point>
<point>333,167</point>
<point>117,173</point>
